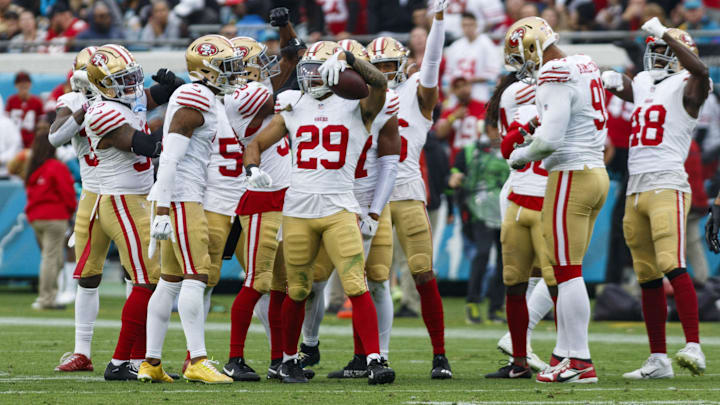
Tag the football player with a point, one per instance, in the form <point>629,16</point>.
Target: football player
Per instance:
<point>180,223</point>
<point>374,179</point>
<point>327,136</point>
<point>668,96</point>
<point>418,96</point>
<point>524,250</point>
<point>571,139</point>
<point>68,126</point>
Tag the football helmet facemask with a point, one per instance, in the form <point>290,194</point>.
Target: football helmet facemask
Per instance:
<point>660,60</point>
<point>308,75</point>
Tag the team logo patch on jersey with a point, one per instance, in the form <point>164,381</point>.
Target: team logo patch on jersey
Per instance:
<point>99,59</point>
<point>516,37</point>
<point>207,49</point>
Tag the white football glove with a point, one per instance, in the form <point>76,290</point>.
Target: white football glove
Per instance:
<point>654,27</point>
<point>161,229</point>
<point>439,6</point>
<point>71,240</point>
<point>79,81</point>
<point>368,226</point>
<point>258,178</point>
<point>516,160</point>
<point>331,68</point>
<point>612,80</point>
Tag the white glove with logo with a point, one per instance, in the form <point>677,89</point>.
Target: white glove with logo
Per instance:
<point>79,81</point>
<point>612,80</point>
<point>368,226</point>
<point>654,27</point>
<point>161,229</point>
<point>439,6</point>
<point>331,68</point>
<point>258,178</point>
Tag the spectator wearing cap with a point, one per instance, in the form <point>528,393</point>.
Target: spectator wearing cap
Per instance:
<point>474,57</point>
<point>64,27</point>
<point>12,28</point>
<point>6,7</point>
<point>459,125</point>
<point>696,19</point>
<point>30,38</point>
<point>102,25</point>
<point>23,108</point>
<point>162,25</point>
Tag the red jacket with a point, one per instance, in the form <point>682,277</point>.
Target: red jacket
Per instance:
<point>50,192</point>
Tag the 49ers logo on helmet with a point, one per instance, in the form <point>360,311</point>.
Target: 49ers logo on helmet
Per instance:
<point>207,49</point>
<point>99,59</point>
<point>516,37</point>
<point>242,51</point>
<point>687,40</point>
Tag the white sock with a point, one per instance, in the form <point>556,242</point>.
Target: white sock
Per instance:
<point>287,357</point>
<point>261,311</point>
<point>128,287</point>
<point>136,363</point>
<point>158,317</point>
<point>658,355</point>
<point>192,316</point>
<point>380,293</point>
<point>69,282</point>
<point>87,305</point>
<point>207,301</point>
<point>532,282</point>
<point>573,311</point>
<point>372,356</point>
<point>539,304</point>
<point>314,313</point>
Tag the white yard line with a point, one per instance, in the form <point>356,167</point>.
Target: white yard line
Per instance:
<point>406,332</point>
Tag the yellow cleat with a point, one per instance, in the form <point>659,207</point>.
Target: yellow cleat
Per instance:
<point>150,373</point>
<point>206,372</point>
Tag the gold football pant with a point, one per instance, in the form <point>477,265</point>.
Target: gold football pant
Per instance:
<point>340,235</point>
<point>189,253</point>
<point>523,246</point>
<point>573,200</point>
<point>414,234</point>
<point>91,243</point>
<point>260,246</point>
<point>654,227</point>
<point>219,226</point>
<point>379,260</point>
<point>124,219</point>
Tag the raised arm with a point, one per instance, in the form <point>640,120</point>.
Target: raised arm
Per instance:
<point>291,47</point>
<point>427,92</point>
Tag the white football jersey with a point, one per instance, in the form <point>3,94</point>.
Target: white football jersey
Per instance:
<point>226,180</point>
<point>327,137</point>
<point>118,172</point>
<point>584,141</point>
<point>517,103</point>
<point>241,107</point>
<point>366,171</point>
<point>81,143</point>
<point>191,173</point>
<point>413,128</point>
<point>476,59</point>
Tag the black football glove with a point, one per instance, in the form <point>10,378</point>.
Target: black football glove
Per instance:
<point>711,228</point>
<point>279,17</point>
<point>167,83</point>
<point>290,51</point>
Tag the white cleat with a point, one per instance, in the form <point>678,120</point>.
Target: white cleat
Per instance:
<point>505,346</point>
<point>654,367</point>
<point>692,358</point>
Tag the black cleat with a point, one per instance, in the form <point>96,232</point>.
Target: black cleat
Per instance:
<point>356,368</point>
<point>511,371</point>
<point>291,372</point>
<point>274,369</point>
<point>123,372</point>
<point>441,368</point>
<point>379,373</point>
<point>309,355</point>
<point>238,370</point>
<point>174,376</point>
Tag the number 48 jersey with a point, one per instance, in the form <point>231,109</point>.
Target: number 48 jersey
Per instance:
<point>327,137</point>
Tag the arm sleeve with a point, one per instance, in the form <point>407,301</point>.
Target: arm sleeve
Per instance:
<point>430,69</point>
<point>551,134</point>
<point>174,149</point>
<point>385,183</point>
<point>63,134</point>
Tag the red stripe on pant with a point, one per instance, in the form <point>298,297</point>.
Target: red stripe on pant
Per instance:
<point>554,224</point>
<point>82,261</point>
<point>254,247</point>
<point>137,240</point>
<point>564,219</point>
<point>127,239</point>
<point>680,218</point>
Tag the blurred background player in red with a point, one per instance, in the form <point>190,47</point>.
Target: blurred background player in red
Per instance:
<point>24,108</point>
<point>459,124</point>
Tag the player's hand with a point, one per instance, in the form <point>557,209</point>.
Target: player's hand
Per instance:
<point>516,160</point>
<point>439,6</point>
<point>513,137</point>
<point>279,17</point>
<point>168,79</point>
<point>331,68</point>
<point>79,81</point>
<point>161,229</point>
<point>612,80</point>
<point>655,28</point>
<point>71,240</point>
<point>368,226</point>
<point>258,178</point>
<point>711,228</point>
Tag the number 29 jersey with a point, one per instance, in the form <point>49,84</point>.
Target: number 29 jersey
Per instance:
<point>327,137</point>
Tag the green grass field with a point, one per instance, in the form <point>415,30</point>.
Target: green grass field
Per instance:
<point>32,342</point>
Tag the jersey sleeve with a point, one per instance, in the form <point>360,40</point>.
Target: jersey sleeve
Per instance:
<point>559,71</point>
<point>247,100</point>
<point>104,118</point>
<point>193,95</point>
<point>525,95</point>
<point>285,101</point>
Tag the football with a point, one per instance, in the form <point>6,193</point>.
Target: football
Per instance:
<point>351,85</point>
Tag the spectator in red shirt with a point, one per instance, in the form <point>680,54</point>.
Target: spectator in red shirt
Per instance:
<point>460,125</point>
<point>50,205</point>
<point>24,108</point>
<point>64,27</point>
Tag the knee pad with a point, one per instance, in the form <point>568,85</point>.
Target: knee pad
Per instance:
<point>348,241</point>
<point>262,282</point>
<point>645,271</point>
<point>631,237</point>
<point>297,250</point>
<point>513,276</point>
<point>298,293</point>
